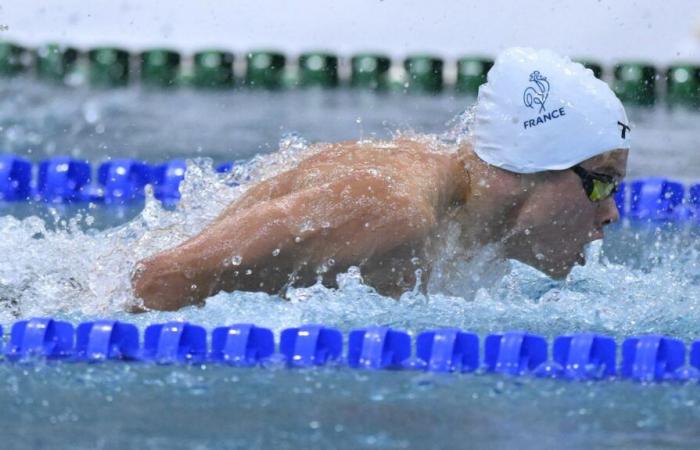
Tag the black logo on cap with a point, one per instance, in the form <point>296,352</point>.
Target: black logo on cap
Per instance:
<point>538,93</point>
<point>625,128</point>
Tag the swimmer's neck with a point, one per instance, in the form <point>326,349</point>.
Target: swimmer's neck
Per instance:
<point>491,200</point>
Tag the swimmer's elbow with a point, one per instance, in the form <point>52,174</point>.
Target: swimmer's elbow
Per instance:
<point>161,288</point>
<point>146,288</point>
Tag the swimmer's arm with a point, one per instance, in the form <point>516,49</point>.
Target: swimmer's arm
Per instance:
<point>263,191</point>
<point>338,220</point>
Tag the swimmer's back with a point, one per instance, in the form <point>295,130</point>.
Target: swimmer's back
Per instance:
<point>408,165</point>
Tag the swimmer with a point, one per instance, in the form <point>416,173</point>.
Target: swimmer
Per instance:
<point>547,150</point>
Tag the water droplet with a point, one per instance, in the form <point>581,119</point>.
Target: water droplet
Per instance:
<point>193,287</point>
<point>248,272</point>
<point>297,239</point>
<point>275,252</point>
<point>415,260</point>
<point>539,256</point>
<point>527,232</point>
<point>331,262</point>
<point>236,260</point>
<point>307,225</point>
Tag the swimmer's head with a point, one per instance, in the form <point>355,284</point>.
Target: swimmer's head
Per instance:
<point>557,216</point>
<point>539,111</point>
<point>538,116</point>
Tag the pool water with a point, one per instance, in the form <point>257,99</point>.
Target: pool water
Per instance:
<point>74,263</point>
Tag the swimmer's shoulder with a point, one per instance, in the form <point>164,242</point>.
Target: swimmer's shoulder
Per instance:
<point>407,159</point>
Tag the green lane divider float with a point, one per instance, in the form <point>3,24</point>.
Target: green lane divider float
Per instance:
<point>471,73</point>
<point>683,85</point>
<point>109,67</point>
<point>318,69</point>
<point>14,59</point>
<point>213,69</point>
<point>370,71</point>
<point>423,74</point>
<point>55,62</point>
<point>635,83</point>
<point>595,67</point>
<point>265,69</point>
<point>159,67</point>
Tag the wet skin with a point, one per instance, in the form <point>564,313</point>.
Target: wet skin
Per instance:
<point>380,206</point>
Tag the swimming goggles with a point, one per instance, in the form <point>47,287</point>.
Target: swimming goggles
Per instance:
<point>598,186</point>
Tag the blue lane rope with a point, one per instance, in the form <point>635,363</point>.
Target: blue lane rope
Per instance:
<point>64,180</point>
<point>582,356</point>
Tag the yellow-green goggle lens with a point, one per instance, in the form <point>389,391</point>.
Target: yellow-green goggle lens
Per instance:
<point>601,190</point>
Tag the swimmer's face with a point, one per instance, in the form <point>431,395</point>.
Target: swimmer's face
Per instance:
<point>558,218</point>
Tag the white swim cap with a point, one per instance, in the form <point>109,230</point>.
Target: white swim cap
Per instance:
<point>539,111</point>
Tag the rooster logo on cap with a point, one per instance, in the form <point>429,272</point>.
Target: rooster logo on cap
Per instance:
<point>537,94</point>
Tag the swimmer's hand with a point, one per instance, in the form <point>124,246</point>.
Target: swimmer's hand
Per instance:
<point>263,244</point>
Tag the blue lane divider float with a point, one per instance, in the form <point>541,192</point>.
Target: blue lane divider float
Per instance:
<point>621,198</point>
<point>447,350</point>
<point>242,344</point>
<point>694,197</point>
<point>652,358</point>
<point>378,348</point>
<point>63,179</point>
<point>514,353</point>
<point>15,178</point>
<point>582,356</point>
<point>167,178</point>
<point>123,180</point>
<point>585,356</point>
<point>40,337</point>
<point>175,342</point>
<point>657,199</point>
<point>106,339</point>
<point>310,345</point>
